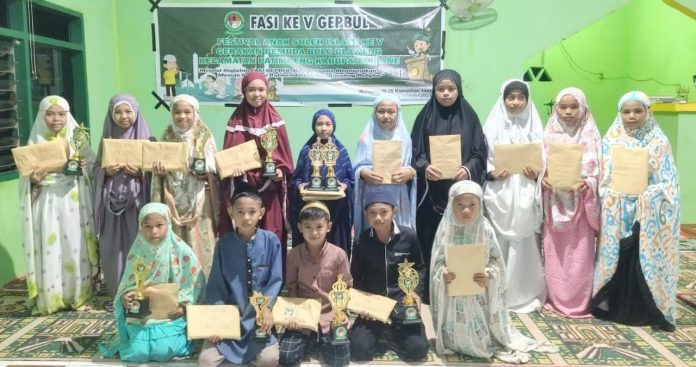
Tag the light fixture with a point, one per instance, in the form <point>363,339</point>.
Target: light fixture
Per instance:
<point>469,14</point>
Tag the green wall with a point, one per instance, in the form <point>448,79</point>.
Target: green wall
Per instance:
<point>120,59</point>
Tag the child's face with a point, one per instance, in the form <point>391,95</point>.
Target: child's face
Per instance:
<point>154,228</point>
<point>421,46</point>
<point>633,115</point>
<point>124,117</point>
<point>56,118</point>
<point>314,231</point>
<point>446,92</point>
<point>256,93</point>
<point>323,128</point>
<point>171,65</point>
<point>183,115</point>
<point>515,102</point>
<point>568,109</point>
<point>246,213</point>
<point>387,112</point>
<point>466,208</point>
<point>380,216</point>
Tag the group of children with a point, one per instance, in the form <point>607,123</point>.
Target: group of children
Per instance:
<point>225,239</point>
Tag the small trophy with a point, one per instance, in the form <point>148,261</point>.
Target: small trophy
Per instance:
<point>408,281</point>
<point>259,302</point>
<point>339,298</point>
<point>269,142</point>
<point>140,306</point>
<point>198,166</point>
<point>316,156</point>
<point>80,139</point>
<point>330,157</point>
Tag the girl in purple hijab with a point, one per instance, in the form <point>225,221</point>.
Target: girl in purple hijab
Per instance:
<point>121,190</point>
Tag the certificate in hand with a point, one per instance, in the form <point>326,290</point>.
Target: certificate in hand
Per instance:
<point>386,158</point>
<point>51,155</point>
<point>122,151</point>
<point>376,306</point>
<point>164,299</point>
<point>629,169</point>
<point>514,157</point>
<point>465,261</point>
<point>565,165</point>
<point>446,154</point>
<point>244,156</point>
<point>304,311</point>
<point>204,321</point>
<point>174,156</point>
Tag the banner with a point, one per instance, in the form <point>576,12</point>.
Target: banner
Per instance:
<point>311,55</point>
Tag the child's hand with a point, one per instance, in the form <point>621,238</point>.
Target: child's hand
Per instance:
<point>127,299</point>
<point>462,174</point>
<point>500,174</point>
<point>236,172</point>
<point>432,173</point>
<point>371,177</point>
<point>447,276</point>
<point>530,172</point>
<point>112,170</point>
<point>267,320</point>
<point>293,325</point>
<point>278,175</point>
<point>179,312</point>
<point>583,187</point>
<point>131,171</point>
<point>214,339</point>
<point>404,175</point>
<point>482,279</point>
<point>38,175</point>
<point>546,184</point>
<point>158,168</point>
<point>365,316</point>
<point>418,300</point>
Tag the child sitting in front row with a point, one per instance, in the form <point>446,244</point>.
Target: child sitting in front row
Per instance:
<point>245,260</point>
<point>311,270</point>
<point>375,262</point>
<point>477,325</point>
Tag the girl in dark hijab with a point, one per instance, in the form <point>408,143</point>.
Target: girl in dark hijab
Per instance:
<point>446,113</point>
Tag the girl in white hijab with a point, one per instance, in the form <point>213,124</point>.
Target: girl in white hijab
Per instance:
<point>513,201</point>
<point>60,245</point>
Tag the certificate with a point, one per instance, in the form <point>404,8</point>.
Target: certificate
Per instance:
<point>204,321</point>
<point>446,154</point>
<point>565,165</point>
<point>376,306</point>
<point>629,169</point>
<point>164,299</point>
<point>304,311</point>
<point>465,261</point>
<point>513,157</point>
<point>122,151</point>
<point>244,156</point>
<point>174,156</point>
<point>386,158</point>
<point>50,155</point>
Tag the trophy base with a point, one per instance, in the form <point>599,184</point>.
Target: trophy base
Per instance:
<point>411,315</point>
<point>339,334</point>
<point>315,184</point>
<point>261,336</point>
<point>73,168</point>
<point>198,166</point>
<point>331,184</point>
<point>269,169</point>
<point>140,308</point>
<point>322,195</point>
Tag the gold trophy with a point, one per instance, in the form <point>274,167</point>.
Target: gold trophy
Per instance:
<point>269,142</point>
<point>408,281</point>
<point>140,306</point>
<point>259,302</point>
<point>80,139</point>
<point>339,298</point>
<point>316,156</point>
<point>330,158</point>
<point>198,166</point>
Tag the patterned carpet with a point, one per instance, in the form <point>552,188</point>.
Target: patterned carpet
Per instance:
<point>74,336</point>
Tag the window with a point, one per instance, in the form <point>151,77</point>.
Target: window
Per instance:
<point>41,53</point>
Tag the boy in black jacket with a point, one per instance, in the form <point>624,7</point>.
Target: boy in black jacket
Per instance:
<point>374,266</point>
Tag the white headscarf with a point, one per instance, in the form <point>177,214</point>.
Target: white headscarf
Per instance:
<point>41,133</point>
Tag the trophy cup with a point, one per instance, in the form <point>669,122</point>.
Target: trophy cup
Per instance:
<point>330,157</point>
<point>80,139</point>
<point>408,281</point>
<point>198,166</point>
<point>140,306</point>
<point>269,142</point>
<point>259,302</point>
<point>316,156</point>
<point>339,298</point>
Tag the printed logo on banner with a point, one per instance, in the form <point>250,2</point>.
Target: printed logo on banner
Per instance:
<point>234,22</point>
